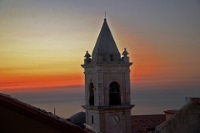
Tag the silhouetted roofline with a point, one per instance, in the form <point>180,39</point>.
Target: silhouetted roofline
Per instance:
<point>39,114</point>
<point>183,118</point>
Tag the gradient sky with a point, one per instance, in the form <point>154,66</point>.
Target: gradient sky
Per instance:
<point>43,42</point>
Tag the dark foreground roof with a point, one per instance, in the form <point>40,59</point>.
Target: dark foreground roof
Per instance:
<point>142,123</point>
<point>38,114</point>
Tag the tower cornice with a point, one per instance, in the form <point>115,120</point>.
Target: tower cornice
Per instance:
<point>107,64</point>
<point>109,108</point>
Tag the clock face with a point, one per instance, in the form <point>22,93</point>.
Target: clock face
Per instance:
<point>115,119</point>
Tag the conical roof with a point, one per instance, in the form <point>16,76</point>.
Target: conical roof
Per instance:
<point>105,46</point>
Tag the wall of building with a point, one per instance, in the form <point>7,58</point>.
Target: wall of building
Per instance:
<point>93,119</point>
<point>102,76</point>
<point>116,122</point>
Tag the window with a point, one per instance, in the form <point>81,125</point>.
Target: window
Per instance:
<point>92,119</point>
<point>114,94</point>
<point>91,94</point>
<point>111,57</point>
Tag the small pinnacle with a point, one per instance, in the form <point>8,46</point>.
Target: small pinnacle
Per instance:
<point>87,55</point>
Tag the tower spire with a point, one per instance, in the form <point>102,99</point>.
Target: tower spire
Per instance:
<point>105,48</point>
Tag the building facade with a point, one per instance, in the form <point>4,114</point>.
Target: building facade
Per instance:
<point>185,120</point>
<point>107,86</point>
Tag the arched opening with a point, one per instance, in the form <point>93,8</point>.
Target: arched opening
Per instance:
<point>114,94</point>
<point>91,94</point>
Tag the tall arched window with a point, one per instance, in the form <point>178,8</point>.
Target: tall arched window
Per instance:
<point>114,94</point>
<point>91,94</point>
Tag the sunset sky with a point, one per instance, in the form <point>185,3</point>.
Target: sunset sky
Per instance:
<point>43,42</point>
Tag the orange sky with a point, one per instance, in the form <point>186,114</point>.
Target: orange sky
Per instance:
<point>43,44</point>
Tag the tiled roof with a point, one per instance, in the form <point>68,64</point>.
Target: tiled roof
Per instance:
<point>38,114</point>
<point>140,123</point>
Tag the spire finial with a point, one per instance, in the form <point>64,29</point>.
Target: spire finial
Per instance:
<point>105,16</point>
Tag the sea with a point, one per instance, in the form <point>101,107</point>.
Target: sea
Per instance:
<point>66,102</point>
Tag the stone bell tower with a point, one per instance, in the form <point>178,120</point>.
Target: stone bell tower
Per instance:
<point>107,86</point>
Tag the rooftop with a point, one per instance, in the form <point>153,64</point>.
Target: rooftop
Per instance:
<point>38,114</point>
<point>141,123</point>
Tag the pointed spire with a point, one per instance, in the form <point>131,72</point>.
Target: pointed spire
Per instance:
<point>105,48</point>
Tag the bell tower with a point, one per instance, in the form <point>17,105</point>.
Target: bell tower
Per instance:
<point>107,86</point>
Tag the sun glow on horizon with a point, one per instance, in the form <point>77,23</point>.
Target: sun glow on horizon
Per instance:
<point>12,82</point>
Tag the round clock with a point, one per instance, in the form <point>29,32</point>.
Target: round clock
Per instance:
<point>115,119</point>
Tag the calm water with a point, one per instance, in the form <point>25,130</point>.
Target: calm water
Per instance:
<point>68,103</point>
